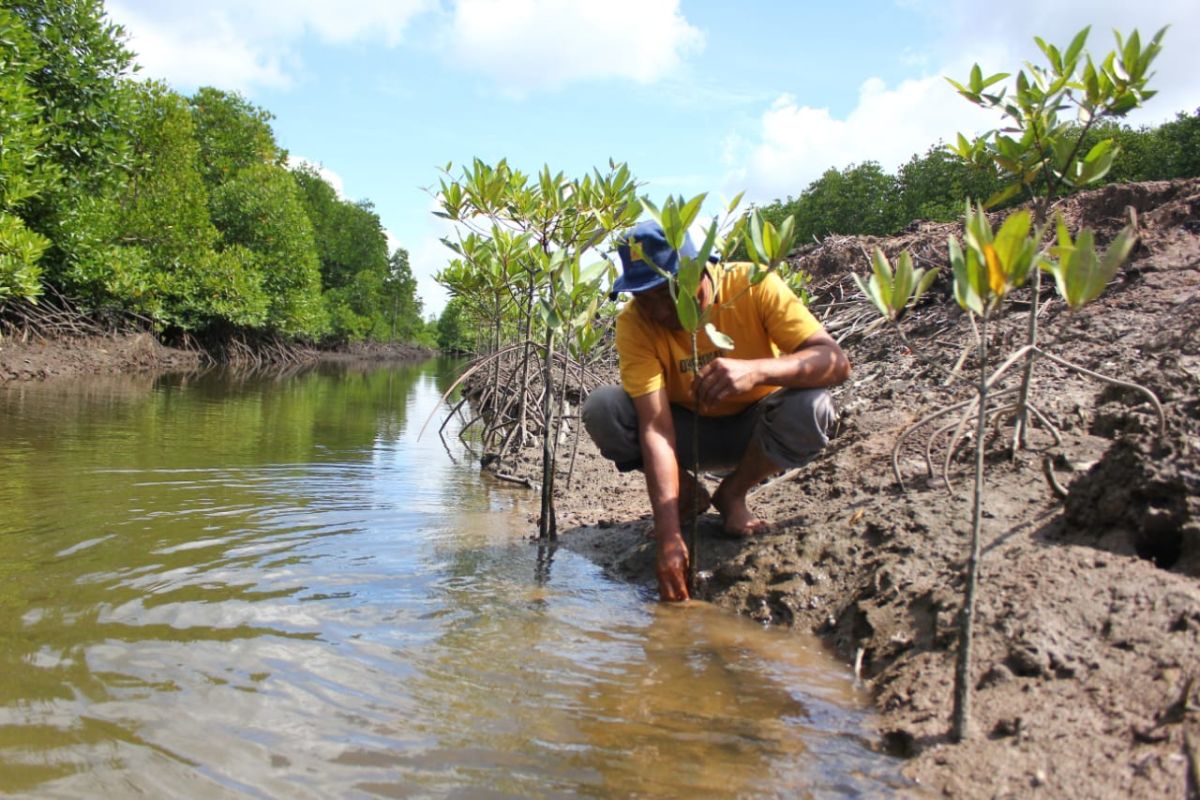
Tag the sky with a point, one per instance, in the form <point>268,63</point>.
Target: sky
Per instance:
<point>760,96</point>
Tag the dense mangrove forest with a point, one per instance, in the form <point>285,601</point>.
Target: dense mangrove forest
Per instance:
<point>125,198</point>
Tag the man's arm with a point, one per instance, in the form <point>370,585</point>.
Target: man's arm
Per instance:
<point>656,433</point>
<point>816,364</point>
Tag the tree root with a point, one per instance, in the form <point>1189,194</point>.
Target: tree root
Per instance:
<point>999,414</point>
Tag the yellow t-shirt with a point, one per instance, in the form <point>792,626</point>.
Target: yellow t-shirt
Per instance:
<point>763,322</point>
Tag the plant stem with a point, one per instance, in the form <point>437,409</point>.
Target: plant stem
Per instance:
<point>962,671</point>
<point>1054,182</point>
<point>693,556</point>
<point>547,523</point>
<point>578,424</point>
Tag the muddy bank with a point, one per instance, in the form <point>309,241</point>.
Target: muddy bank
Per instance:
<point>40,358</point>
<point>1087,654</point>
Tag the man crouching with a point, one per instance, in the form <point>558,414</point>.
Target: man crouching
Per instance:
<point>762,407</point>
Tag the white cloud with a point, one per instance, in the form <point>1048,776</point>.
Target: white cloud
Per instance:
<point>524,45</point>
<point>1008,29</point>
<point>796,143</point>
<point>429,256</point>
<point>328,175</point>
<point>243,44</point>
<point>520,44</point>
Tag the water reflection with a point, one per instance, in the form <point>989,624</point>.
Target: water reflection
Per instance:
<point>267,586</point>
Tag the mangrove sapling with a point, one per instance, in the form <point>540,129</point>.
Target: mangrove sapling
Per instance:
<point>986,271</point>
<point>767,247</point>
<point>587,337</point>
<point>990,268</point>
<point>526,238</point>
<point>1041,153</point>
<point>1081,276</point>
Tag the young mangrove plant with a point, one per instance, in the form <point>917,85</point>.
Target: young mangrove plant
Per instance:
<point>1039,149</point>
<point>1041,154</point>
<point>767,247</point>
<point>520,244</point>
<point>987,267</point>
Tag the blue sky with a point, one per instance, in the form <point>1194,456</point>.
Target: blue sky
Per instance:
<point>695,95</point>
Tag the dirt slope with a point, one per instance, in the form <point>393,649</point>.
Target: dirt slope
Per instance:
<point>1087,657</point>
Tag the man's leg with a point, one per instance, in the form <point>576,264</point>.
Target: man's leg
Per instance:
<point>792,426</point>
<point>611,421</point>
<point>730,497</point>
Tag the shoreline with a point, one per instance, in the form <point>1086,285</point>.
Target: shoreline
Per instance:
<point>42,358</point>
<point>1086,670</point>
<point>1086,674</point>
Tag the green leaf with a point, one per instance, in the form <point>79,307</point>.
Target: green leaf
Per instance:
<point>756,237</point>
<point>863,287</point>
<point>1076,46</point>
<point>688,277</point>
<point>651,209</point>
<point>716,337</point>
<point>1007,193</point>
<point>592,273</point>
<point>787,236</point>
<point>902,286</point>
<point>1097,162</point>
<point>688,310</point>
<point>966,278</point>
<point>771,243</point>
<point>992,79</point>
<point>1010,246</point>
<point>706,247</point>
<point>924,282</point>
<point>883,279</point>
<point>687,215</point>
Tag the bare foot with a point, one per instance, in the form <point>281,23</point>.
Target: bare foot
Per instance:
<point>740,521</point>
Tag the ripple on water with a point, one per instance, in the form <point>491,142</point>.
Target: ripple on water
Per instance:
<point>272,588</point>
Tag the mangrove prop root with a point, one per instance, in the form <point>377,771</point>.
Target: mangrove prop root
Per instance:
<point>1051,478</point>
<point>781,478</point>
<point>909,430</point>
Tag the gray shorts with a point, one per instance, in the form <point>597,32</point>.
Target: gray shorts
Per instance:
<point>792,425</point>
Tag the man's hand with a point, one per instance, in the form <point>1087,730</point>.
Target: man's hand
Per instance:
<point>725,377</point>
<point>672,569</point>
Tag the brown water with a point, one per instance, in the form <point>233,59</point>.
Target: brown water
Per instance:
<point>270,588</point>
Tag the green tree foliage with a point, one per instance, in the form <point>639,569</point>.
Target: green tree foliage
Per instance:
<point>367,293</point>
<point>1181,145</point>
<point>79,84</point>
<point>150,244</point>
<point>25,168</point>
<point>233,134</point>
<point>932,186</point>
<point>129,196</point>
<point>455,331</point>
<point>401,303</point>
<point>349,236</point>
<point>858,199</point>
<point>261,210</point>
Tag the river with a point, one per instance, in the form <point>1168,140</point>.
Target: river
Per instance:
<point>217,585</point>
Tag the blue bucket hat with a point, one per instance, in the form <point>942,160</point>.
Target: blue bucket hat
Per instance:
<point>638,276</point>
